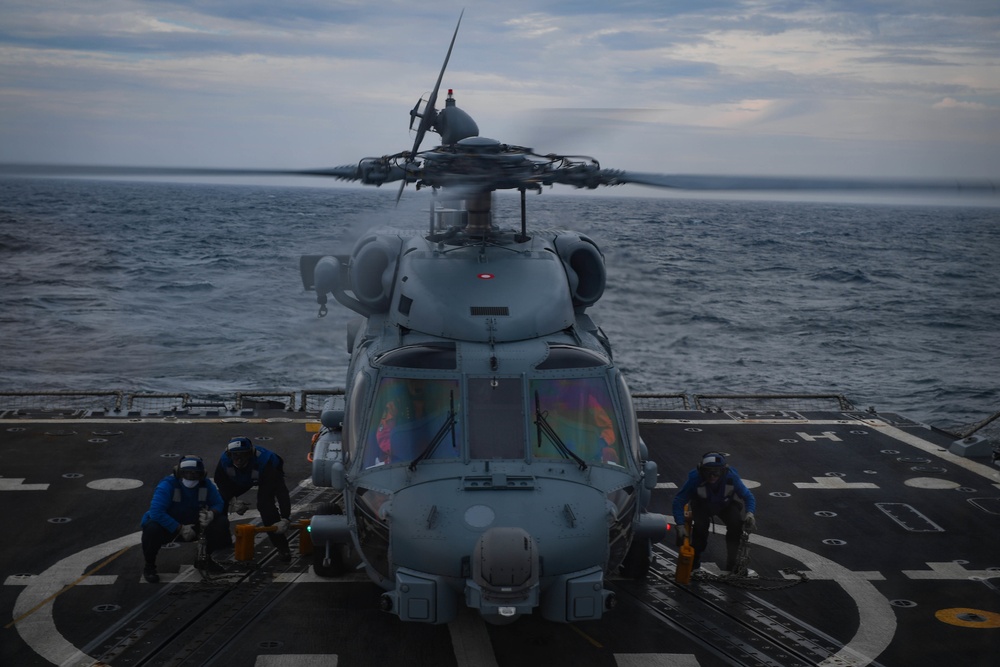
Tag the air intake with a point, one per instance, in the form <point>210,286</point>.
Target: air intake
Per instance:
<point>489,311</point>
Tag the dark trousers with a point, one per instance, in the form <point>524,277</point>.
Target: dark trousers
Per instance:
<point>154,536</point>
<point>731,515</point>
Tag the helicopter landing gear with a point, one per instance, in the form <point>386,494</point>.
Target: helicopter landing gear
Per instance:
<point>328,558</point>
<point>636,562</point>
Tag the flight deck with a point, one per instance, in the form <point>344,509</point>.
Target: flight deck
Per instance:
<point>876,545</point>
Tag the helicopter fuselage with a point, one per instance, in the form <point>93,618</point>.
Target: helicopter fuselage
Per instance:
<point>489,452</point>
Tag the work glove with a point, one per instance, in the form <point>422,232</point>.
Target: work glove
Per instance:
<point>749,523</point>
<point>187,532</point>
<point>241,507</point>
<point>281,527</point>
<point>681,534</point>
<point>205,517</point>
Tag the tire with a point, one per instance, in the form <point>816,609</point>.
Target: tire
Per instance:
<point>636,563</point>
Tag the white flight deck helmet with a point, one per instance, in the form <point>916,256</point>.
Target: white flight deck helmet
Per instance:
<point>241,451</point>
<point>190,468</point>
<point>713,463</point>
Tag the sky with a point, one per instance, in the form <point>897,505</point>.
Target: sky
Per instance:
<point>882,88</point>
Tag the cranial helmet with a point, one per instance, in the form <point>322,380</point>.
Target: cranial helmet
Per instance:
<point>713,462</point>
<point>237,445</point>
<point>190,464</point>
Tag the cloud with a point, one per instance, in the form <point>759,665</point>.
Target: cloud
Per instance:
<point>951,103</point>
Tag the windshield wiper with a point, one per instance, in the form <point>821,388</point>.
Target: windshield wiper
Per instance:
<point>446,427</point>
<point>546,428</point>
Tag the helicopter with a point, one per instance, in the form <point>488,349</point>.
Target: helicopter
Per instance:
<point>488,454</point>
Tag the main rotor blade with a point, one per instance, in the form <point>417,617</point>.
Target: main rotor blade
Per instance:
<point>430,112</point>
<point>793,183</point>
<point>350,172</point>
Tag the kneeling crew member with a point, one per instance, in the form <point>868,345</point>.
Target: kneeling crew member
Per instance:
<point>184,503</point>
<point>715,489</point>
<point>242,467</point>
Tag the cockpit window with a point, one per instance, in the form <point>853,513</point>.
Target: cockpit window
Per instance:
<point>581,415</point>
<point>409,415</point>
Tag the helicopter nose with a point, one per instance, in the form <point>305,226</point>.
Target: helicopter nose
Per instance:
<point>505,572</point>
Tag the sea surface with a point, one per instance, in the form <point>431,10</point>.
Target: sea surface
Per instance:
<point>171,287</point>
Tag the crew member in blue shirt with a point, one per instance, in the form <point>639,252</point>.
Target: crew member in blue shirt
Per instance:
<point>184,504</point>
<point>242,467</point>
<point>715,489</point>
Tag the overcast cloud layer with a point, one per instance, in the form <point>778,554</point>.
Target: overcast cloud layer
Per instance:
<point>892,88</point>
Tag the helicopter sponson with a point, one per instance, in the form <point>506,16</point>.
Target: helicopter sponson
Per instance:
<point>489,453</point>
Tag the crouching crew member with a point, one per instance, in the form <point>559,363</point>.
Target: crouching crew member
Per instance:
<point>715,489</point>
<point>184,504</point>
<point>242,467</point>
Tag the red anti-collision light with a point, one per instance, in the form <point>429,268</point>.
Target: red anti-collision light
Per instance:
<point>486,276</point>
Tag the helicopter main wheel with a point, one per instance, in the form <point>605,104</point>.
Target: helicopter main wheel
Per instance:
<point>636,562</point>
<point>336,566</point>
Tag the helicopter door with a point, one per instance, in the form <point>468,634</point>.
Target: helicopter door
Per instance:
<point>496,418</point>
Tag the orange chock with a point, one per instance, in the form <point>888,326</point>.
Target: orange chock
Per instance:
<point>243,551</point>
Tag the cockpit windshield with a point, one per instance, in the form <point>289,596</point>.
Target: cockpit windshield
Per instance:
<point>408,413</point>
<point>580,412</point>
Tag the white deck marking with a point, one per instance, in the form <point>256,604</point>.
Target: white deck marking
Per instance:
<point>470,640</point>
<point>950,571</point>
<point>931,483</point>
<point>311,577</point>
<point>992,474</point>
<point>765,422</point>
<point>834,483</point>
<point>296,660</point>
<point>38,630</point>
<point>114,484</point>
<point>96,580</point>
<point>656,660</point>
<point>17,484</point>
<point>876,617</point>
<point>867,575</point>
<point>826,435</point>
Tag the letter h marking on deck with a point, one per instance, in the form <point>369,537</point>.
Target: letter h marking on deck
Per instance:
<point>827,435</point>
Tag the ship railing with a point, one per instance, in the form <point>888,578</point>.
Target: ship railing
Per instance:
<point>151,402</point>
<point>69,402</point>
<point>772,402</point>
<point>270,399</point>
<point>988,428</point>
<point>316,400</point>
<point>656,402</point>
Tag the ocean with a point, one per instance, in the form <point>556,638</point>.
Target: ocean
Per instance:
<point>170,287</point>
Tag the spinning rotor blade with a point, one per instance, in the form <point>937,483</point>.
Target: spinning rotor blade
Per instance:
<point>346,171</point>
<point>370,172</point>
<point>430,111</point>
<point>791,183</point>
